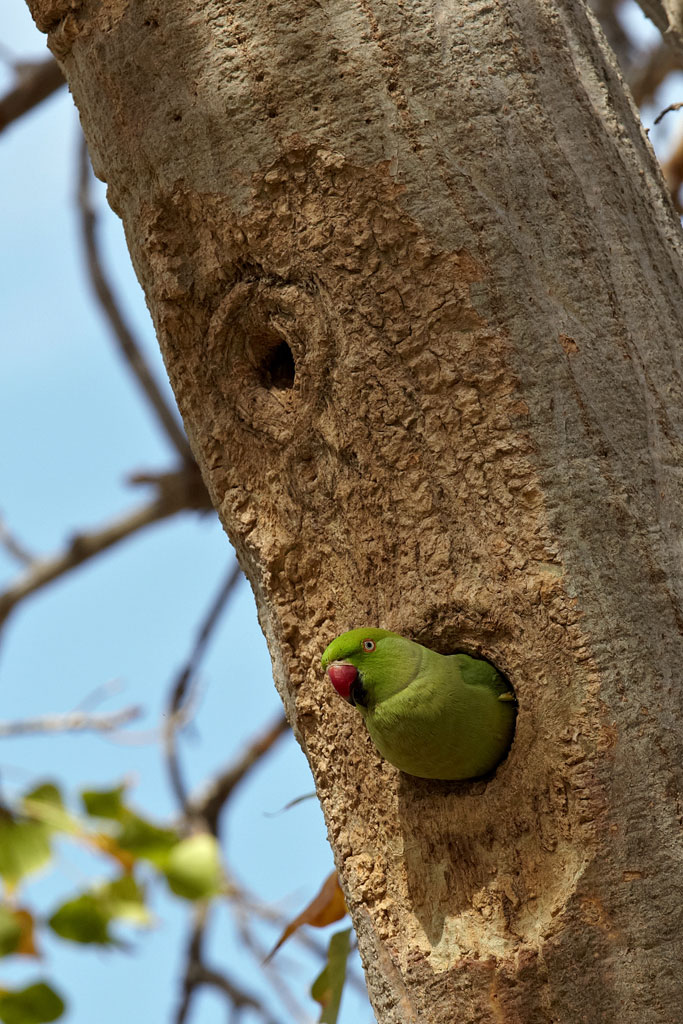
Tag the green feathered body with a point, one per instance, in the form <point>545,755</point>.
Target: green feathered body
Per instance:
<point>431,715</point>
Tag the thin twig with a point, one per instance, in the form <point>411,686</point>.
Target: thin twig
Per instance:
<point>245,906</point>
<point>192,957</point>
<point>99,694</point>
<point>36,80</point>
<point>272,971</point>
<point>667,110</point>
<point>208,804</point>
<point>128,345</point>
<point>198,973</point>
<point>13,546</point>
<point>177,491</point>
<point>672,169</point>
<point>182,686</point>
<point>208,976</point>
<point>70,721</point>
<point>606,13</point>
<point>645,79</point>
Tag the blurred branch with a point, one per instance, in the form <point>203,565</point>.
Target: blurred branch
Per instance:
<point>70,721</point>
<point>13,546</point>
<point>128,345</point>
<point>35,82</point>
<point>272,973</point>
<point>647,78</point>
<point>667,110</point>
<point>101,693</point>
<point>672,167</point>
<point>246,907</point>
<point>182,686</point>
<point>183,489</point>
<point>198,973</point>
<point>208,804</point>
<point>606,13</point>
<point>666,15</point>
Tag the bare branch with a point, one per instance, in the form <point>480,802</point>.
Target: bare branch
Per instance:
<point>128,345</point>
<point>100,693</point>
<point>667,110</point>
<point>606,13</point>
<point>208,804</point>
<point>35,82</point>
<point>182,686</point>
<point>13,546</point>
<point>647,78</point>
<point>663,14</point>
<point>198,973</point>
<point>273,972</point>
<point>207,976</point>
<point>245,907</point>
<point>177,491</point>
<point>672,167</point>
<point>70,721</point>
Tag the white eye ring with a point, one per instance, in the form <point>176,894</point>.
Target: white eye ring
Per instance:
<point>368,645</point>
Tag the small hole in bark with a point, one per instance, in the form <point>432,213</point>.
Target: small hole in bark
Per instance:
<point>276,368</point>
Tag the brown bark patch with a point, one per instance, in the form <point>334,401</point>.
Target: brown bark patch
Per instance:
<point>385,476</point>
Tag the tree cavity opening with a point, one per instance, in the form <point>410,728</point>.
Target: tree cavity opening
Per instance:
<point>509,698</point>
<point>275,365</point>
<point>506,691</point>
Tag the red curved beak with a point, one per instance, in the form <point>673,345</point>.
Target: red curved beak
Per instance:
<point>342,677</point>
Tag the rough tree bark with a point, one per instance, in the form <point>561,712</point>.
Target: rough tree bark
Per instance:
<point>418,289</point>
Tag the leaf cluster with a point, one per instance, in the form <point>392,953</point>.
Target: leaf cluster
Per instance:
<point>141,853</point>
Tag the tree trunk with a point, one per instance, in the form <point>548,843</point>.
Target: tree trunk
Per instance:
<point>418,288</point>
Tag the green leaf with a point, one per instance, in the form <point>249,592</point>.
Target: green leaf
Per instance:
<point>84,919</point>
<point>193,869</point>
<point>137,836</point>
<point>87,917</point>
<point>105,803</point>
<point>143,839</point>
<point>10,931</point>
<point>24,847</point>
<point>46,793</point>
<point>327,987</point>
<point>125,900</point>
<point>37,1004</point>
<point>45,804</point>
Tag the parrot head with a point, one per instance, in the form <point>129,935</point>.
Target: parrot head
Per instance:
<point>368,665</point>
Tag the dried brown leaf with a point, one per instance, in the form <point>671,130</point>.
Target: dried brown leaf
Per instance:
<point>325,908</point>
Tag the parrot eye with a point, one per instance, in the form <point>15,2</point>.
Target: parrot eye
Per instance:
<point>368,645</point>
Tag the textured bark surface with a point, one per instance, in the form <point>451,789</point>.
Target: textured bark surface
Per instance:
<point>418,289</point>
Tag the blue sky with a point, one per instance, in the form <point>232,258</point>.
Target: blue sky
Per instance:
<point>73,427</point>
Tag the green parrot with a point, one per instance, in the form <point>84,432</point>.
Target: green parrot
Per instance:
<point>437,716</point>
